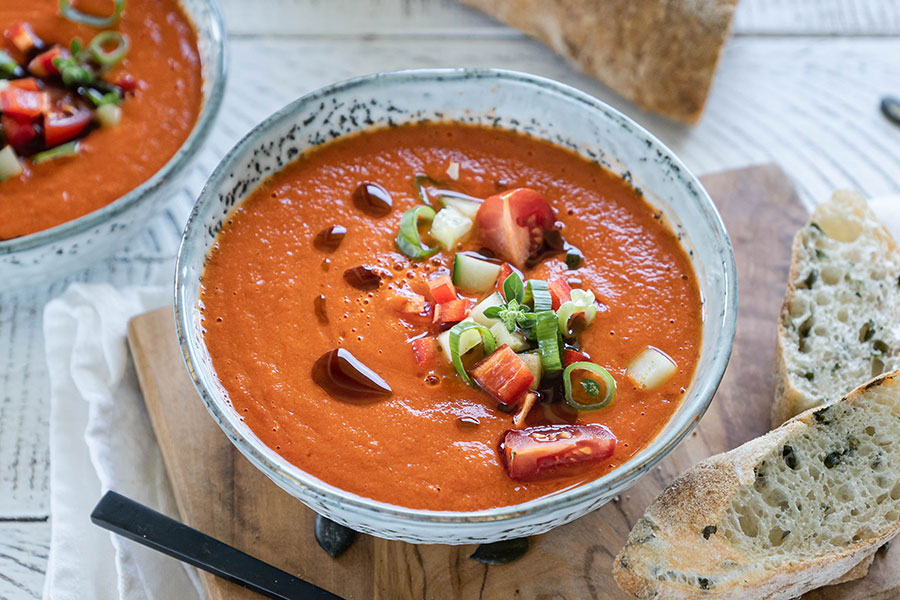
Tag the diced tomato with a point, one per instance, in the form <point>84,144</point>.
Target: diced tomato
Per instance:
<point>127,83</point>
<point>534,450</point>
<point>503,375</point>
<point>23,37</point>
<point>423,349</point>
<point>573,356</point>
<point>505,271</point>
<point>442,289</point>
<point>512,223</point>
<point>559,291</point>
<point>28,83</point>
<point>42,64</point>
<point>66,122</point>
<point>17,131</point>
<point>451,312</point>
<point>23,103</point>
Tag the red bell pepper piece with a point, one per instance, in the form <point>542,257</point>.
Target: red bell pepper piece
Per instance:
<point>451,312</point>
<point>423,349</point>
<point>42,64</point>
<point>127,83</point>
<point>505,271</point>
<point>532,450</point>
<point>23,103</point>
<point>18,132</point>
<point>23,37</point>
<point>573,356</point>
<point>442,289</point>
<point>503,375</point>
<point>559,292</point>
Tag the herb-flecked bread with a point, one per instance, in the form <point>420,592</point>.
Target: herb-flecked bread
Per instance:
<point>840,321</point>
<point>803,506</point>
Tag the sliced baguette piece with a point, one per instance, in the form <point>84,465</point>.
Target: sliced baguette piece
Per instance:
<point>803,506</point>
<point>840,321</point>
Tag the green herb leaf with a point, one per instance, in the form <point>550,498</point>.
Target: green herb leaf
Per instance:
<point>591,387</point>
<point>513,289</point>
<point>492,312</point>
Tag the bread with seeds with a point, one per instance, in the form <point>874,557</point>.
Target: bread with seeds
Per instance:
<point>840,321</point>
<point>803,506</point>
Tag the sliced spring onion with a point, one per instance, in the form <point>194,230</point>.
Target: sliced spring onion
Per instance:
<point>108,115</point>
<point>420,182</point>
<point>449,226</point>
<point>600,395</point>
<point>582,302</point>
<point>9,163</point>
<point>69,149</point>
<point>456,352</point>
<point>76,16</point>
<point>8,66</point>
<point>108,58</point>
<point>547,331</point>
<point>538,294</point>
<point>651,368</point>
<point>408,240</point>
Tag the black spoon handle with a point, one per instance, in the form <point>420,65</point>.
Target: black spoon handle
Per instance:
<point>145,526</point>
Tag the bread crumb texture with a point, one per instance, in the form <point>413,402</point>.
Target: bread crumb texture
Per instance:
<point>840,323</point>
<point>783,514</point>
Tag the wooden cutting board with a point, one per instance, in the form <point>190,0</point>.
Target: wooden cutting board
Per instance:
<point>221,494</point>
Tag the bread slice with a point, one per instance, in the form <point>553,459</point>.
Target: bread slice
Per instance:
<point>798,508</point>
<point>660,54</point>
<point>840,321</point>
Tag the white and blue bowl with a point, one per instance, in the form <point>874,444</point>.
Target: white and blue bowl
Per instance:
<point>514,101</point>
<point>52,253</point>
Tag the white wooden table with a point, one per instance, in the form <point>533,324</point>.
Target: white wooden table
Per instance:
<point>799,84</point>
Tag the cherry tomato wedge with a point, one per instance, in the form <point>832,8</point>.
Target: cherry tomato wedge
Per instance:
<point>24,103</point>
<point>442,289</point>
<point>65,122</point>
<point>511,224</point>
<point>503,375</point>
<point>545,448</point>
<point>17,131</point>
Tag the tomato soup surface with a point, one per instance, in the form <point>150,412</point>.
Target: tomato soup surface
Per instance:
<point>156,120</point>
<point>419,447</point>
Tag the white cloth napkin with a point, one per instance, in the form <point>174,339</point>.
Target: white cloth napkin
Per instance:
<point>100,439</point>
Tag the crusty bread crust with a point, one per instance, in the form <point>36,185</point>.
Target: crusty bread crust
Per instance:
<point>666,543</point>
<point>660,54</point>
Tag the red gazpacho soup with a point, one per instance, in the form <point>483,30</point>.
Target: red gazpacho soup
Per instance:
<point>95,97</point>
<point>450,317</point>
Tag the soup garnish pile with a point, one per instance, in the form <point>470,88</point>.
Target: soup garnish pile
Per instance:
<point>450,317</point>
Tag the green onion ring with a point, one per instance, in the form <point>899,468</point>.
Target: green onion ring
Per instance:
<point>547,331</point>
<point>487,339</point>
<point>538,292</point>
<point>408,240</point>
<point>109,59</point>
<point>596,369</point>
<point>420,181</point>
<point>69,149</point>
<point>76,16</point>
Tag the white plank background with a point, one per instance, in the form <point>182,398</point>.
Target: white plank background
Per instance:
<point>799,84</point>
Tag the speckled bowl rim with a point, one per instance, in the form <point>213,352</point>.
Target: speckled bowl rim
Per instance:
<point>289,476</point>
<point>174,167</point>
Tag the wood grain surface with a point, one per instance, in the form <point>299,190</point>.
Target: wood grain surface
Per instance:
<point>799,84</point>
<point>219,492</point>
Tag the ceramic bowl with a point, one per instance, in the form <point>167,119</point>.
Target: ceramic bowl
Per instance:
<point>55,252</point>
<point>516,101</point>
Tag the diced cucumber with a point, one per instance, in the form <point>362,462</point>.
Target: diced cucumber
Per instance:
<point>477,313</point>
<point>9,164</point>
<point>467,208</point>
<point>470,273</point>
<point>449,226</point>
<point>515,340</point>
<point>651,368</point>
<point>532,360</point>
<point>468,340</point>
